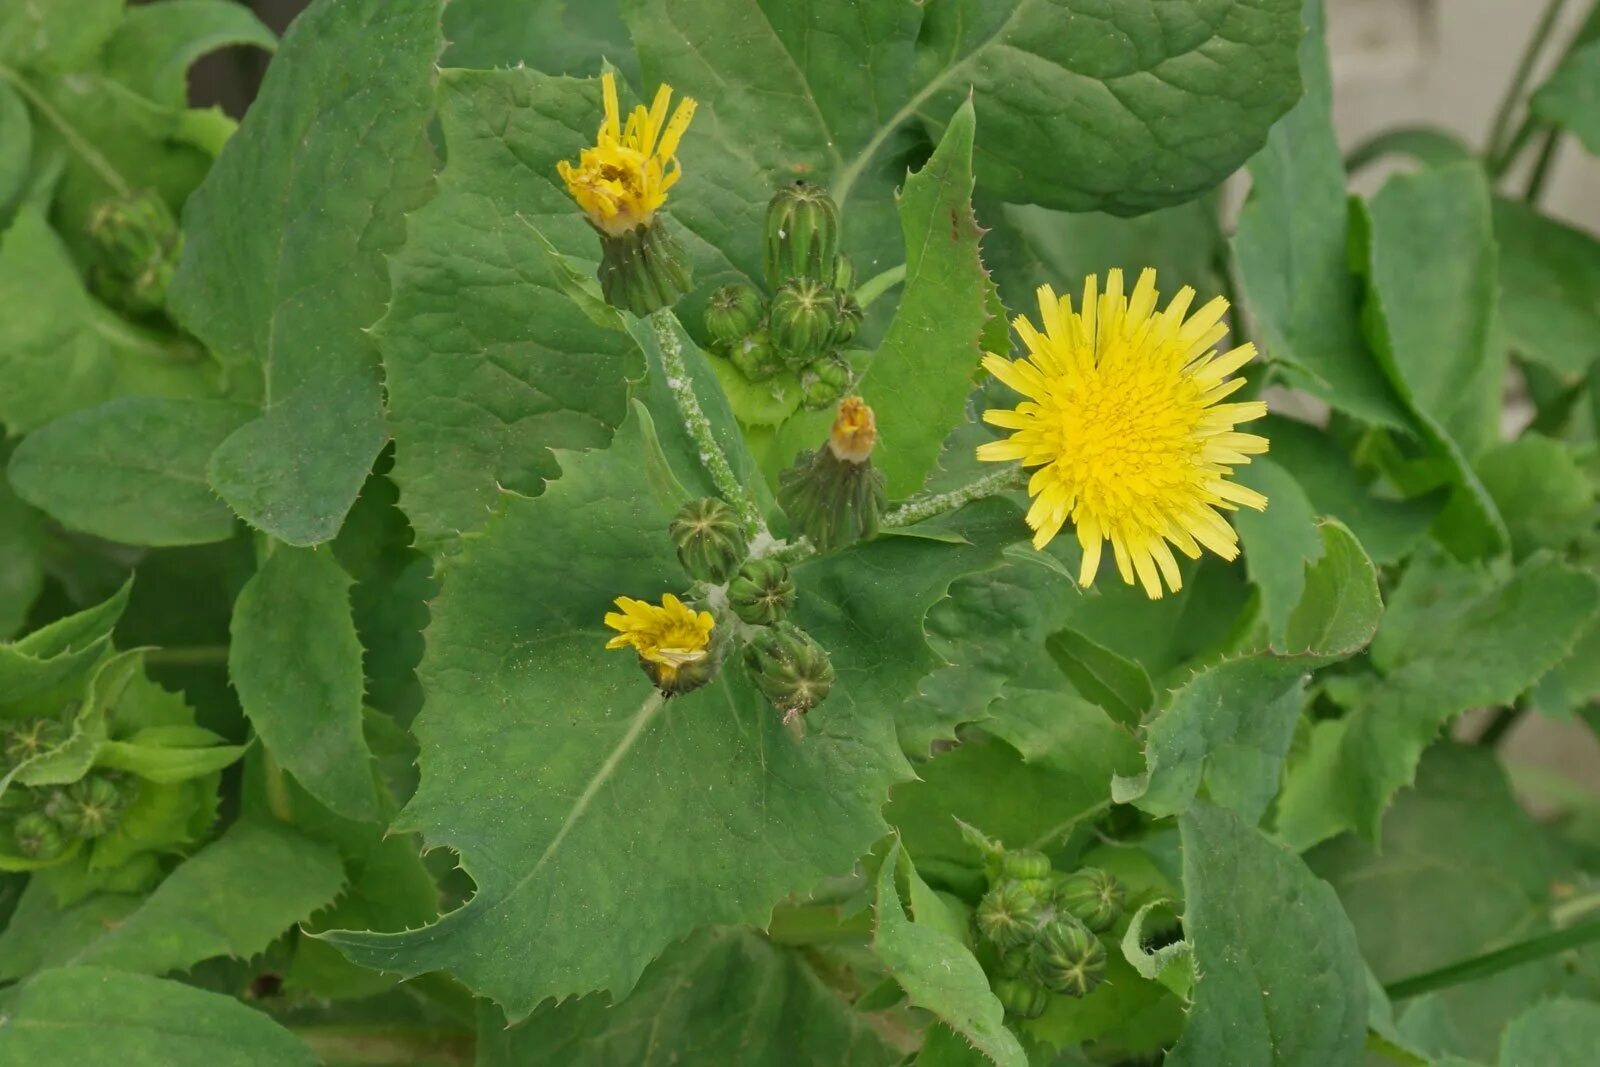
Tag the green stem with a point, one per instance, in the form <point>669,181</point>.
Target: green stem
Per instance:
<point>1542,30</point>
<point>1542,167</point>
<point>277,788</point>
<point>390,1046</point>
<point>1470,970</point>
<point>1501,724</point>
<point>69,133</point>
<point>188,656</point>
<point>814,924</point>
<point>681,386</point>
<point>923,508</point>
<point>879,284</point>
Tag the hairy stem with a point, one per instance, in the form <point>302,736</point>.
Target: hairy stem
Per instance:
<point>681,386</point>
<point>918,509</point>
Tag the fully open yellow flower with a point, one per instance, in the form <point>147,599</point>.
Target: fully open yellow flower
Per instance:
<point>671,636</point>
<point>1124,421</point>
<point>624,178</point>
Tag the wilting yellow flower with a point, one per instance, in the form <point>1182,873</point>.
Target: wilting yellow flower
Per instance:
<point>671,636</point>
<point>1123,421</point>
<point>854,432</point>
<point>624,178</point>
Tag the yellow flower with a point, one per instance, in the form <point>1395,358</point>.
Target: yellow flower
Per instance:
<point>671,636</point>
<point>1123,420</point>
<point>624,178</point>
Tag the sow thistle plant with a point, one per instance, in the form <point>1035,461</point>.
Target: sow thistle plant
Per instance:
<point>804,537</point>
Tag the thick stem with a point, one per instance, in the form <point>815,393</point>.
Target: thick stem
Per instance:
<point>878,284</point>
<point>1470,970</point>
<point>681,386</point>
<point>917,510</point>
<point>1497,143</point>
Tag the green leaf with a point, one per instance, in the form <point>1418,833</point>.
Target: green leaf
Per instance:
<point>1388,529</point>
<point>1460,870</point>
<point>155,45</point>
<point>64,1016</point>
<point>168,753</point>
<point>1541,489</point>
<point>283,265</point>
<point>1552,1034</point>
<point>1290,248</point>
<point>232,898</point>
<point>920,376</point>
<point>62,352</point>
<point>16,133</point>
<point>554,36</point>
<point>1571,98</point>
<point>1277,543</point>
<point>1117,684</point>
<point>1429,253</point>
<point>721,996</point>
<point>41,933</point>
<point>22,543</point>
<point>1280,981</point>
<point>55,37</point>
<point>296,662</point>
<point>1230,725</point>
<point>938,972</point>
<point>623,842</point>
<point>56,654</point>
<point>489,364</point>
<point>131,470</point>
<point>1453,638</point>
<point>1549,275</point>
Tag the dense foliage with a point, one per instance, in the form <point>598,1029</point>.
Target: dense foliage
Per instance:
<point>360,454</point>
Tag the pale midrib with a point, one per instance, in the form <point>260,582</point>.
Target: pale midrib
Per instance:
<point>852,172</point>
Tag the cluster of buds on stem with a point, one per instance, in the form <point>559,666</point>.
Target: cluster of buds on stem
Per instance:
<point>1041,927</point>
<point>40,824</point>
<point>811,312</point>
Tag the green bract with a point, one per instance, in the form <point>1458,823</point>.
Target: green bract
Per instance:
<point>517,540</point>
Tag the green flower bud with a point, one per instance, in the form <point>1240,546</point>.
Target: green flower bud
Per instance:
<point>1068,958</point>
<point>803,319</point>
<point>844,275</point>
<point>1091,896</point>
<point>1025,863</point>
<point>792,671</point>
<point>38,837</point>
<point>31,737</point>
<point>834,495</point>
<point>733,312</point>
<point>1014,962</point>
<point>643,269</point>
<point>754,357</point>
<point>850,315</point>
<point>709,539</point>
<point>138,243</point>
<point>90,807</point>
<point>1022,997</point>
<point>802,234</point>
<point>1007,915</point>
<point>824,382</point>
<point>762,593</point>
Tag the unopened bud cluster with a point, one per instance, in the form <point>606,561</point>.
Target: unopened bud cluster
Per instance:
<point>40,824</point>
<point>789,668</point>
<point>811,313</point>
<point>136,243</point>
<point>1041,928</point>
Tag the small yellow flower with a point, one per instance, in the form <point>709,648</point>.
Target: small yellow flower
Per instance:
<point>671,636</point>
<point>855,431</point>
<point>1123,420</point>
<point>624,178</point>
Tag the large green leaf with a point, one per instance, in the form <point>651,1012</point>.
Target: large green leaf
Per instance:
<point>1549,278</point>
<point>283,266</point>
<point>22,542</point>
<point>132,470</point>
<point>66,1016</point>
<point>554,36</point>
<point>1552,1034</point>
<point>155,44</point>
<point>1290,248</point>
<point>938,971</point>
<point>489,364</point>
<point>232,898</point>
<point>1540,487</point>
<point>296,662</point>
<point>16,132</point>
<point>920,377</point>
<point>61,352</point>
<point>623,837</point>
<point>1230,726</point>
<point>55,37</point>
<point>1277,543</point>
<point>57,654</point>
<point>1571,97</point>
<point>1454,637</point>
<point>721,996</point>
<point>1280,980</point>
<point>1460,870</point>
